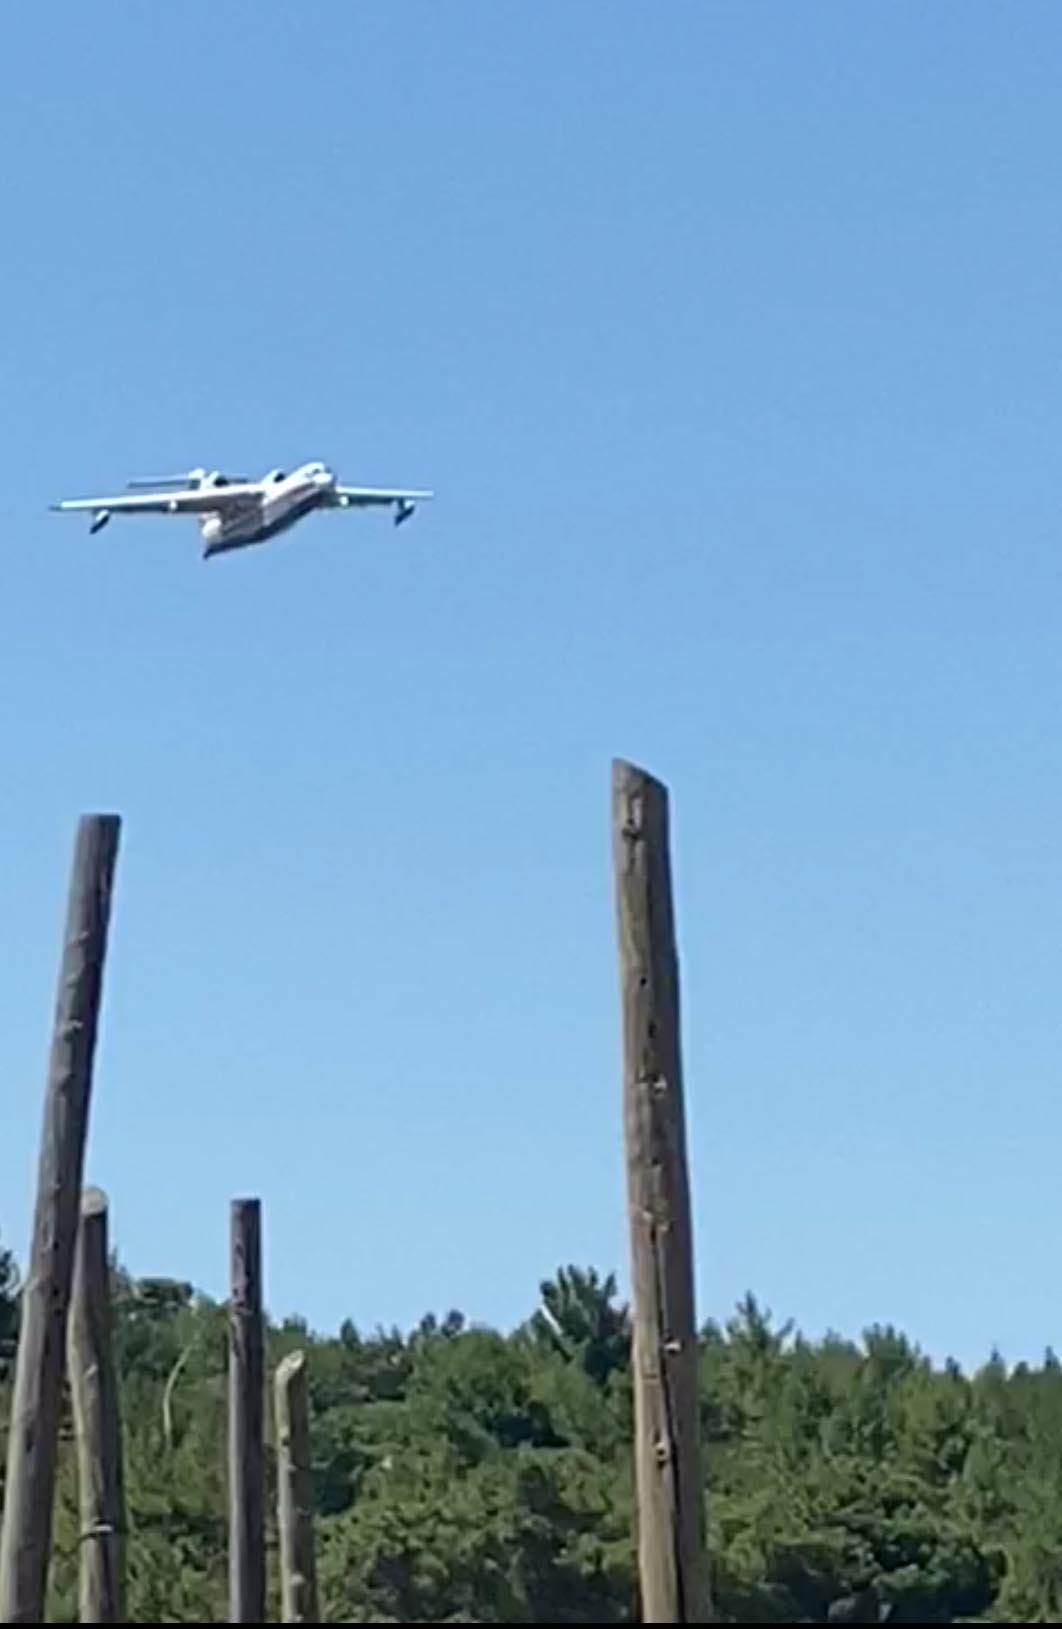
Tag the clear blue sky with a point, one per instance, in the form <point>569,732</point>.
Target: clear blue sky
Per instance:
<point>730,338</point>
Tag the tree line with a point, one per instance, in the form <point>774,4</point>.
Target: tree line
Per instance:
<point>465,1475</point>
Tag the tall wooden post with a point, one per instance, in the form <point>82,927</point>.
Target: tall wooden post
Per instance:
<point>94,1396</point>
<point>246,1409</point>
<point>670,1494</point>
<point>298,1573</point>
<point>25,1538</point>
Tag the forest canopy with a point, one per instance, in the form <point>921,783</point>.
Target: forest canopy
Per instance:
<point>465,1475</point>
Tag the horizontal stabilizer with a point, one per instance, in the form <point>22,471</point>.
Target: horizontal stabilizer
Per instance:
<point>144,482</point>
<point>189,477</point>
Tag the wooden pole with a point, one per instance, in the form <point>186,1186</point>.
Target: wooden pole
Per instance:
<point>670,1492</point>
<point>94,1395</point>
<point>25,1537</point>
<point>298,1573</point>
<point>246,1408</point>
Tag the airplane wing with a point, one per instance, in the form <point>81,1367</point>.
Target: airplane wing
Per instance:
<point>190,501</point>
<point>346,496</point>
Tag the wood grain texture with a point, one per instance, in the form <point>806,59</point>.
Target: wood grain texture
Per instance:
<point>670,1494</point>
<point>25,1536</point>
<point>298,1572</point>
<point>246,1410</point>
<point>94,1396</point>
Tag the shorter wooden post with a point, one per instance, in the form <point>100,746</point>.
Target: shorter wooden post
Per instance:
<point>666,1416</point>
<point>246,1407</point>
<point>298,1573</point>
<point>96,1421</point>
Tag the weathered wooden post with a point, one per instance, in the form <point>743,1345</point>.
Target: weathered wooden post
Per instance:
<point>25,1537</point>
<point>246,1410</point>
<point>298,1572</point>
<point>94,1394</point>
<point>670,1494</point>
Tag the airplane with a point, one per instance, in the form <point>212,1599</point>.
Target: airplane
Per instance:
<point>236,512</point>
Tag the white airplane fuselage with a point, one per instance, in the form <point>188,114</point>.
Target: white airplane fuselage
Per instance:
<point>286,500</point>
